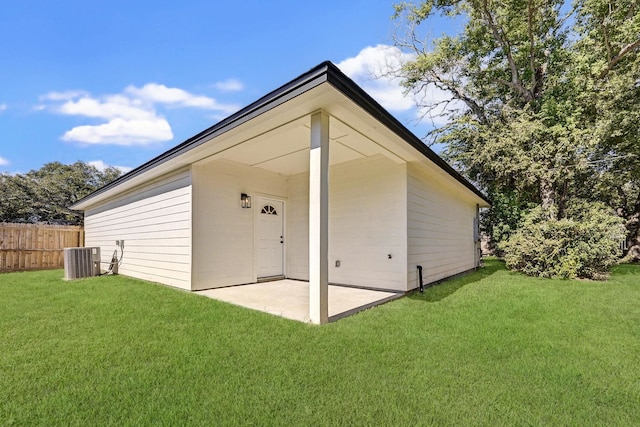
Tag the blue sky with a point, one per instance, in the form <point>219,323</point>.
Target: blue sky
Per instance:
<point>119,82</point>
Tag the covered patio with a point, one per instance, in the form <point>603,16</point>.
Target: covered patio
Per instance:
<point>290,298</point>
<point>348,230</point>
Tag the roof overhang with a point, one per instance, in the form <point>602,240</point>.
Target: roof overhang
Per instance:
<point>277,124</point>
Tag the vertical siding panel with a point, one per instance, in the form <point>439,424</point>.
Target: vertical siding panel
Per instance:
<point>298,227</point>
<point>224,240</point>
<point>367,221</point>
<point>366,226</point>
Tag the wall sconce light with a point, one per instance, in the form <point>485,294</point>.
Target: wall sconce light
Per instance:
<point>246,201</point>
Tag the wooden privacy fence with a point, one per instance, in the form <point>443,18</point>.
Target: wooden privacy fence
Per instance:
<point>35,246</point>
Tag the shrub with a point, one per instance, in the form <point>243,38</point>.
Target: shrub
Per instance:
<point>583,244</point>
<point>504,217</point>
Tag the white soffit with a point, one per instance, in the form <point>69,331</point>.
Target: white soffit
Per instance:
<point>280,141</point>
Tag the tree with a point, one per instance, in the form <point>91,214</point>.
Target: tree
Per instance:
<point>44,195</point>
<point>500,75</point>
<point>608,63</point>
<point>18,193</point>
<point>542,99</point>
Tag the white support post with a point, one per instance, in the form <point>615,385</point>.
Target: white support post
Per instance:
<point>319,219</point>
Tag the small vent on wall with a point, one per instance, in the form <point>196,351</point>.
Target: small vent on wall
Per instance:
<point>81,262</point>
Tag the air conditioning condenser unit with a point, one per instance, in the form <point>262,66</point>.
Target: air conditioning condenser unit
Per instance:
<point>81,262</point>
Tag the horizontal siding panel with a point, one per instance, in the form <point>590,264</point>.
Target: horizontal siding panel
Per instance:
<point>439,230</point>
<point>167,206</point>
<point>164,185</point>
<point>417,235</point>
<point>163,268</point>
<point>168,254</point>
<point>436,262</point>
<point>179,237</point>
<point>164,249</point>
<point>143,257</point>
<point>158,273</point>
<point>155,225</point>
<point>179,221</point>
<point>431,212</point>
<point>428,215</point>
<point>173,197</point>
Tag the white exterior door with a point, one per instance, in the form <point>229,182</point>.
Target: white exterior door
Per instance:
<point>270,236</point>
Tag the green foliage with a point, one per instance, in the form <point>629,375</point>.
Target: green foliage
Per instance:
<point>586,243</point>
<point>504,216</point>
<point>44,195</point>
<point>508,70</point>
<point>547,101</point>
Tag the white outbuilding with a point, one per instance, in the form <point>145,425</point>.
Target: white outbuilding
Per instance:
<point>315,181</point>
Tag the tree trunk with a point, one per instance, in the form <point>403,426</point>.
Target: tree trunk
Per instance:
<point>633,233</point>
<point>548,197</point>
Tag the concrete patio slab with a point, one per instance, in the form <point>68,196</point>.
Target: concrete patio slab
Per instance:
<point>290,298</point>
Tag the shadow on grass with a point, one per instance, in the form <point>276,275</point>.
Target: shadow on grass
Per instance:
<point>626,269</point>
<point>447,287</point>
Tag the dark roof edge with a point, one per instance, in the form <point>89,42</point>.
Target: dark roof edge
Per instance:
<point>354,92</point>
<point>324,72</point>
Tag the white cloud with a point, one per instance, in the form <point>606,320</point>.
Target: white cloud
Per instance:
<point>3,107</point>
<point>157,93</point>
<point>101,165</point>
<point>115,106</point>
<point>128,118</point>
<point>229,85</point>
<point>64,96</point>
<point>4,162</point>
<point>98,164</point>
<point>119,131</point>
<point>373,68</point>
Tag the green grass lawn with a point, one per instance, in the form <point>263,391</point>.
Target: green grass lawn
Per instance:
<point>490,348</point>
